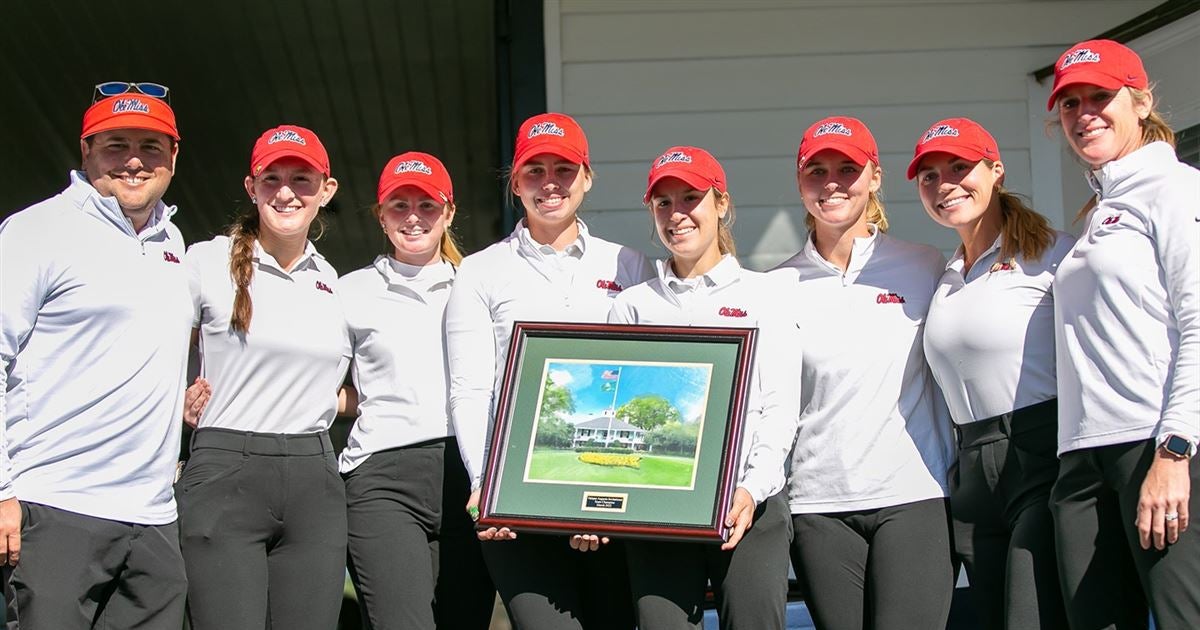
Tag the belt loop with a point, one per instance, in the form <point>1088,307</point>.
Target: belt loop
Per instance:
<point>958,436</point>
<point>326,443</point>
<point>192,441</point>
<point>246,444</point>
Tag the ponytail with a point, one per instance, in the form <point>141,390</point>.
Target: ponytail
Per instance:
<point>1022,230</point>
<point>725,242</point>
<point>241,269</point>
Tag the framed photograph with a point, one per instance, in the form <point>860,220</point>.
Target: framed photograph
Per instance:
<point>619,430</point>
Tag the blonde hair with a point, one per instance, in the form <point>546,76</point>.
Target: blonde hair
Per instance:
<point>1154,129</point>
<point>449,244</point>
<point>725,242</point>
<point>875,212</point>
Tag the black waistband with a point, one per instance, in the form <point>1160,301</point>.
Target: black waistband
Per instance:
<point>251,443</point>
<point>1036,416</point>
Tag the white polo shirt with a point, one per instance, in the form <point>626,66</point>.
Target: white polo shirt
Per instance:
<point>1127,307</point>
<point>94,320</point>
<point>518,279</point>
<point>874,430</point>
<point>283,375</point>
<point>989,336</point>
<point>395,314</point>
<point>730,296</point>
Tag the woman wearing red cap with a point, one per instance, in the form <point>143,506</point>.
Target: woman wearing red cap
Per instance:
<point>1127,316</point>
<point>549,269</point>
<point>702,284</point>
<point>405,483</point>
<point>989,339</point>
<point>868,479</point>
<point>262,508</point>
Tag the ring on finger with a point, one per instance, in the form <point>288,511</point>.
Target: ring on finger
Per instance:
<point>1171,516</point>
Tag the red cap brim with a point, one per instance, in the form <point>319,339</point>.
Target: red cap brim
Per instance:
<point>272,157</point>
<point>531,152</point>
<point>1084,77</point>
<point>699,182</point>
<point>422,185</point>
<point>856,154</point>
<point>965,153</point>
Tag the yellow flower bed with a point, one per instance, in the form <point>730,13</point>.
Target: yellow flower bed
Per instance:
<point>611,459</point>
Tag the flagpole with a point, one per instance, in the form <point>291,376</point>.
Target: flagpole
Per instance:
<point>613,407</point>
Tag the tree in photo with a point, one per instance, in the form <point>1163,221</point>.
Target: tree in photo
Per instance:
<point>674,437</point>
<point>553,430</point>
<point>648,412</point>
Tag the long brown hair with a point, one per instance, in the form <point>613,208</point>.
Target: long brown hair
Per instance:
<point>241,269</point>
<point>1022,230</point>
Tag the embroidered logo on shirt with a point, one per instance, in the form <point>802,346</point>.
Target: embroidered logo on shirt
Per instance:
<point>321,286</point>
<point>729,311</point>
<point>1116,218</point>
<point>609,285</point>
<point>171,258</point>
<point>889,298</point>
<point>1008,265</point>
<point>544,128</point>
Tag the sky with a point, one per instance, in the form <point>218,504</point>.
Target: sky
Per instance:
<point>685,385</point>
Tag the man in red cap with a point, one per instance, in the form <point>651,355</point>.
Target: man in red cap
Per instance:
<point>94,320</point>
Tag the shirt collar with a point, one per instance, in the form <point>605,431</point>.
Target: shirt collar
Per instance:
<point>396,272</point>
<point>308,260</point>
<point>957,262</point>
<point>1111,176</point>
<point>860,253</point>
<point>722,274</point>
<point>84,195</point>
<point>530,248</point>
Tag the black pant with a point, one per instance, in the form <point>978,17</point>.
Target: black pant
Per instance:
<point>1003,531</point>
<point>400,527</point>
<point>546,585</point>
<point>876,569</point>
<point>750,582</point>
<point>263,529</point>
<point>1107,578</point>
<point>464,593</point>
<point>79,572</point>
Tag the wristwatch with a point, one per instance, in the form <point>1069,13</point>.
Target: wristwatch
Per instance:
<point>1177,445</point>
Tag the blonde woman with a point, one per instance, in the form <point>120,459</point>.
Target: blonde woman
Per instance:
<point>868,481</point>
<point>262,508</point>
<point>1127,318</point>
<point>551,268</point>
<point>405,483</point>
<point>989,339</point>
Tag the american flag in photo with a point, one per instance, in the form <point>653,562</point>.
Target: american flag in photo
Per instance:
<point>611,375</point>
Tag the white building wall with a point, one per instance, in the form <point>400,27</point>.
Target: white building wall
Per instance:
<point>744,78</point>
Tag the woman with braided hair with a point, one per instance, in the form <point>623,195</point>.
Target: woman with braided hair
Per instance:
<point>262,508</point>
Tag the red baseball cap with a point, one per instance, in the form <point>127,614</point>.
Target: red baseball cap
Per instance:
<point>961,137</point>
<point>846,135</point>
<point>694,166</point>
<point>1100,62</point>
<point>288,141</point>
<point>557,134</point>
<point>416,169</point>
<point>129,111</point>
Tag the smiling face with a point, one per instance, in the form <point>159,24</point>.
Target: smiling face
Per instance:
<point>835,189</point>
<point>132,165</point>
<point>414,223</point>
<point>1100,124</point>
<point>551,189</point>
<point>958,193</point>
<point>688,221</point>
<point>288,194</point>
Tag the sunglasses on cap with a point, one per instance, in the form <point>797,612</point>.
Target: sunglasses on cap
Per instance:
<point>113,88</point>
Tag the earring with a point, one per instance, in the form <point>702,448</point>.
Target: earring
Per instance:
<point>253,199</point>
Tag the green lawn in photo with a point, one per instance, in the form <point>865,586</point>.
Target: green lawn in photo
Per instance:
<point>548,464</point>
